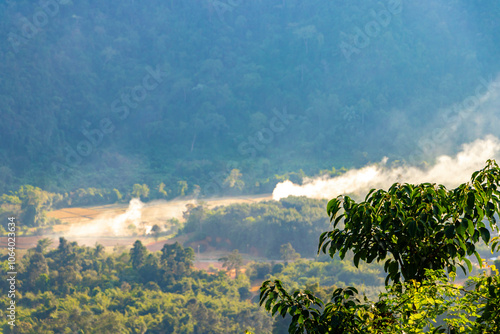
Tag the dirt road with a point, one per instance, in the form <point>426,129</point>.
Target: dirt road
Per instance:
<point>109,225</point>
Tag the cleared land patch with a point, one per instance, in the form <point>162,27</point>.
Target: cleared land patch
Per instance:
<point>109,225</point>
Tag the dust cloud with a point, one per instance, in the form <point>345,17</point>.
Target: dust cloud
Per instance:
<point>111,224</point>
<point>139,218</point>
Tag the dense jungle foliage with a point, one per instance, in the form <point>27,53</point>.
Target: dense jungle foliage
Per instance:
<point>418,231</point>
<point>84,289</point>
<point>260,228</point>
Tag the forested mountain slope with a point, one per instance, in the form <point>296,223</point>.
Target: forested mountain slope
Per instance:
<point>116,93</point>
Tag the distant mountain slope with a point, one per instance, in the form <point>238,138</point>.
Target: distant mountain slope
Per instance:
<point>111,94</point>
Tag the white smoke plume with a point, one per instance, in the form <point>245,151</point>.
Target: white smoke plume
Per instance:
<point>138,218</point>
<point>450,171</point>
<point>110,224</point>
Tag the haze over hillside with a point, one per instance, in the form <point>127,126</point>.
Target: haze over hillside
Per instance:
<point>115,93</point>
<point>167,166</point>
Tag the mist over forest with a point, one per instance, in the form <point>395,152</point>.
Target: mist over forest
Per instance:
<point>161,162</point>
<point>111,94</point>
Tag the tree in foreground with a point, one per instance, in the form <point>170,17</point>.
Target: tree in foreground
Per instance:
<point>419,231</point>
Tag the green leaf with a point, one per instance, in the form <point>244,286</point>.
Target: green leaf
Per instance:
<point>353,290</point>
<point>356,258</point>
<point>269,302</point>
<point>463,269</point>
<point>386,265</point>
<point>470,227</point>
<point>479,259</point>
<point>322,237</point>
<point>492,291</point>
<point>437,210</point>
<point>369,193</point>
<point>471,200</point>
<point>462,245</point>
<point>373,254</point>
<point>461,228</point>
<point>469,264</point>
<point>452,250</point>
<point>263,296</point>
<point>325,246</point>
<point>485,234</point>
<point>480,213</point>
<point>412,228</point>
<point>397,277</point>
<point>275,308</point>
<point>450,232</point>
<point>490,209</point>
<point>475,237</point>
<point>283,311</point>
<point>337,220</point>
<point>333,207</point>
<point>494,245</point>
<point>393,268</point>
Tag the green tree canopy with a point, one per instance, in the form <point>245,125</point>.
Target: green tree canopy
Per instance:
<point>419,230</point>
<point>138,254</point>
<point>288,253</point>
<point>140,190</point>
<point>232,261</point>
<point>421,226</point>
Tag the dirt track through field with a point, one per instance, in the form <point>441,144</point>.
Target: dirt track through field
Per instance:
<point>84,221</point>
<point>151,212</point>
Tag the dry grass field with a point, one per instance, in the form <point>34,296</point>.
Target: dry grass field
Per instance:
<point>109,225</point>
<point>156,212</point>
